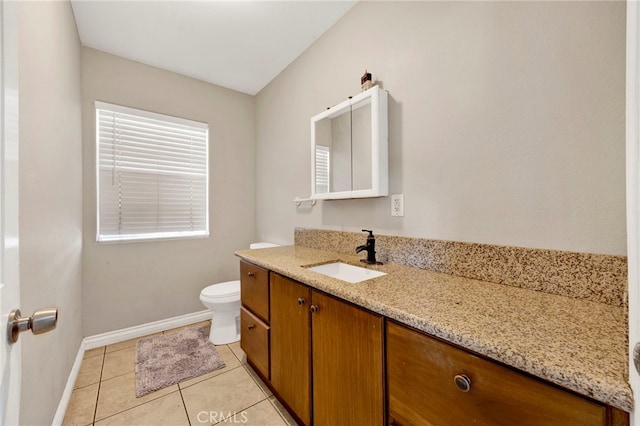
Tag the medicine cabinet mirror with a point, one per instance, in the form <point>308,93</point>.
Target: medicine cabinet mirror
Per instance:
<point>349,148</point>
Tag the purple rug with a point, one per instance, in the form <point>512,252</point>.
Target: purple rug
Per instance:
<point>167,359</point>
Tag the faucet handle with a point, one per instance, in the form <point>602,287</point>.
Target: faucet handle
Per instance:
<point>370,233</point>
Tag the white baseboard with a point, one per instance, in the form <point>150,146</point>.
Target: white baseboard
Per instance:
<point>116,336</point>
<point>112,337</point>
<point>68,389</point>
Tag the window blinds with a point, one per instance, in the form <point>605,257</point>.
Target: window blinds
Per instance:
<point>322,169</point>
<point>152,175</point>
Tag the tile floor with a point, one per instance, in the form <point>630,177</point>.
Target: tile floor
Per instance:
<point>104,393</point>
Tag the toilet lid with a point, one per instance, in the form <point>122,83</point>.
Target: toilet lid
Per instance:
<point>229,288</point>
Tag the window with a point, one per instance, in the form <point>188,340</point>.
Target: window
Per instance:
<point>152,173</point>
<point>322,169</point>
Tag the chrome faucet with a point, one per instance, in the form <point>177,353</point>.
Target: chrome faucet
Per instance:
<point>370,247</point>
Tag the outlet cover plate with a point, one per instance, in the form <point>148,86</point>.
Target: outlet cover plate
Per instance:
<point>397,204</point>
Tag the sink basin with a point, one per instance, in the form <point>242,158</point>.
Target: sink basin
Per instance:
<point>346,272</point>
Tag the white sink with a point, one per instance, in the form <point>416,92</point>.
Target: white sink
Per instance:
<point>346,272</point>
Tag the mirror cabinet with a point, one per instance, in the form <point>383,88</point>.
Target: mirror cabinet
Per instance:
<point>349,148</point>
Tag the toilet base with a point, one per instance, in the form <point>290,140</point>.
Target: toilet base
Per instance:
<point>225,327</point>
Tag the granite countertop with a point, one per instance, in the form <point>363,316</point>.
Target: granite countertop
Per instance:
<point>579,345</point>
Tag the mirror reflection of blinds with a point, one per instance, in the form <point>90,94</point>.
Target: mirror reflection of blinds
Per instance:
<point>152,175</point>
<point>322,168</point>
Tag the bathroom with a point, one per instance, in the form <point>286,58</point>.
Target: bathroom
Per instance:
<point>506,127</point>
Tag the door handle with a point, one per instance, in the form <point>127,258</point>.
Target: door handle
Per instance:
<point>41,321</point>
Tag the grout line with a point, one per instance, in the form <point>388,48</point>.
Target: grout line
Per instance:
<point>86,386</point>
<point>137,406</point>
<point>280,410</point>
<point>208,378</point>
<point>94,356</point>
<point>123,348</point>
<point>254,376</point>
<point>141,404</point>
<point>95,408</point>
<point>184,405</point>
<point>235,355</point>
<point>240,411</point>
<point>104,354</point>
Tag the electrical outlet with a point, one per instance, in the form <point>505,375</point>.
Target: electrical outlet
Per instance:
<point>397,204</point>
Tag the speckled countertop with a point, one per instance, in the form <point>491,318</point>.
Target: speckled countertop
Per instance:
<point>577,344</point>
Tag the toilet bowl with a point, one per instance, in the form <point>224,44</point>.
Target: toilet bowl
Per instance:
<point>223,299</point>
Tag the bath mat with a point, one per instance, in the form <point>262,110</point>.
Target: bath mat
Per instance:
<point>167,359</point>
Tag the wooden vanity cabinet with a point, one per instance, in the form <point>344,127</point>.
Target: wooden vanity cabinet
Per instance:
<point>326,351</point>
<point>430,382</point>
<point>254,316</point>
<point>325,360</point>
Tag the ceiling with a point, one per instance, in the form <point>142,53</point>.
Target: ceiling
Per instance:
<point>241,45</point>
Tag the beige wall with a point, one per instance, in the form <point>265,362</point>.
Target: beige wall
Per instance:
<point>50,200</point>
<point>128,284</point>
<point>506,123</point>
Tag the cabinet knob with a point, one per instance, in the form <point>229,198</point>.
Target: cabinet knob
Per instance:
<point>314,309</point>
<point>251,326</point>
<point>251,274</point>
<point>462,382</point>
<point>301,301</point>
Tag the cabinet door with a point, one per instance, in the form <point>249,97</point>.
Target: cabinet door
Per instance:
<point>290,341</point>
<point>422,390</point>
<point>347,363</point>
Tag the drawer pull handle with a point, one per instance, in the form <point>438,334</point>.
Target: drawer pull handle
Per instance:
<point>251,274</point>
<point>462,382</point>
<point>301,301</point>
<point>314,309</point>
<point>251,326</point>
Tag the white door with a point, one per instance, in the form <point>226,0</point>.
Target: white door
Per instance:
<point>633,193</point>
<point>10,367</point>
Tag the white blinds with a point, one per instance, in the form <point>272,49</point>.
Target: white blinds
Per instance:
<point>322,169</point>
<point>152,175</point>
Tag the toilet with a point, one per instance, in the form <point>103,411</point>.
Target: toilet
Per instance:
<point>224,300</point>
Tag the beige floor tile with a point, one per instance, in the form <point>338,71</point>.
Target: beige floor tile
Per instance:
<point>118,363</point>
<point>205,324</point>
<point>258,380</point>
<point>89,373</point>
<point>261,414</point>
<point>288,419</point>
<point>94,352</point>
<point>119,394</point>
<point>167,410</point>
<point>230,363</point>
<point>121,345</point>
<point>238,352</point>
<point>231,392</point>
<point>81,406</point>
<point>126,343</point>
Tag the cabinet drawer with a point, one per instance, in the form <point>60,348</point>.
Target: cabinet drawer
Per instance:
<point>422,391</point>
<point>254,341</point>
<point>254,289</point>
